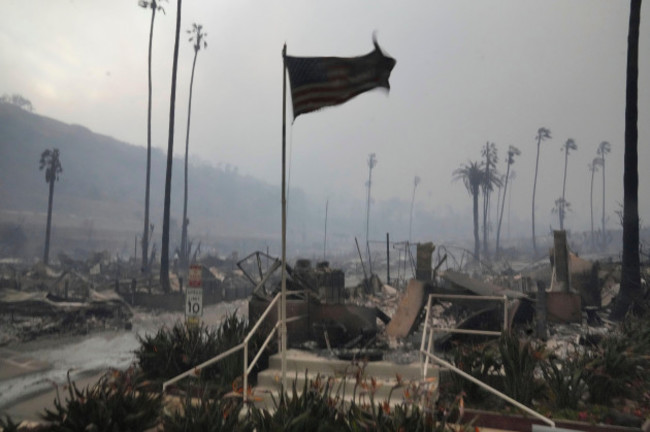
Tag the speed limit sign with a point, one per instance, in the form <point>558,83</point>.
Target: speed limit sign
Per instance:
<point>194,302</point>
<point>194,296</point>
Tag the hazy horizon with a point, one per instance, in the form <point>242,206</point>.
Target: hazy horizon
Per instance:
<point>467,72</point>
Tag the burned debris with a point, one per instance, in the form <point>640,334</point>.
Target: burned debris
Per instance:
<point>447,308</point>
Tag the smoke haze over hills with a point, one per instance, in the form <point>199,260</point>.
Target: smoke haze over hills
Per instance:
<point>101,189</point>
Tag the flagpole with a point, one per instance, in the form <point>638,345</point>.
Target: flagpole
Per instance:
<point>283,302</point>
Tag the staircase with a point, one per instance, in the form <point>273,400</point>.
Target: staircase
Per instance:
<point>379,378</point>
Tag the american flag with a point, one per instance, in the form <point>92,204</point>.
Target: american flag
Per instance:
<point>318,82</point>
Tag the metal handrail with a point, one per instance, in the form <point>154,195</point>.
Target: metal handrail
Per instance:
<point>244,345</point>
<point>429,344</point>
<point>488,388</point>
<point>197,369</point>
<point>428,355</point>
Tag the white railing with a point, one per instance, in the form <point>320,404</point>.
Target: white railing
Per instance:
<point>495,392</point>
<point>196,370</point>
<point>428,339</point>
<point>428,355</point>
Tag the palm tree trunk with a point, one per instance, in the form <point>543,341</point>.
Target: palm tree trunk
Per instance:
<point>477,245</point>
<point>630,291</point>
<point>509,202</point>
<point>604,236</point>
<point>486,198</point>
<point>503,202</point>
<point>539,140</point>
<point>411,212</point>
<point>164,252</point>
<point>498,202</point>
<point>485,224</point>
<point>48,227</point>
<point>145,232</point>
<point>185,253</point>
<point>563,202</point>
<point>591,205</point>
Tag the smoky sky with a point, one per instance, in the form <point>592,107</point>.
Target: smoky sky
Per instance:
<point>468,71</point>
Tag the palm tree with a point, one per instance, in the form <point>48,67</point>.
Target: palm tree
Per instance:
<point>631,289</point>
<point>561,206</point>
<point>502,179</point>
<point>372,162</point>
<point>154,5</point>
<point>603,149</point>
<point>489,152</point>
<point>513,176</point>
<point>164,252</point>
<point>542,134</point>
<point>472,175</point>
<point>512,152</point>
<point>593,167</point>
<point>52,164</point>
<point>198,39</point>
<point>569,145</point>
<point>416,182</point>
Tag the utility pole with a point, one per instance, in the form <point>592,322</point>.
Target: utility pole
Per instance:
<point>372,161</point>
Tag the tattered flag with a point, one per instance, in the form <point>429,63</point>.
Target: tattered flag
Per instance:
<point>318,82</point>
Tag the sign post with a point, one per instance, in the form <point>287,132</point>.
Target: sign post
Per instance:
<point>194,296</point>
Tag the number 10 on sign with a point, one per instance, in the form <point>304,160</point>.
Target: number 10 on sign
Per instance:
<point>194,296</point>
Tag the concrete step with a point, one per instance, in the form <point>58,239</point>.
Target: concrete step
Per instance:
<point>302,360</point>
<point>381,381</point>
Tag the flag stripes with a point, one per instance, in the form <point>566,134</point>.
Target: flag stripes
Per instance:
<point>318,82</point>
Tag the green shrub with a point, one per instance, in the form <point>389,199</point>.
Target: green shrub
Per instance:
<point>566,380</point>
<point>519,360</point>
<point>8,425</point>
<point>611,368</point>
<point>480,361</point>
<point>172,351</point>
<point>115,403</point>
<point>201,414</point>
<point>320,407</point>
<point>313,409</point>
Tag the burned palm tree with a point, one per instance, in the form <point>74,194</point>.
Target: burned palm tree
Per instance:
<point>164,252</point>
<point>198,39</point>
<point>603,149</point>
<point>542,135</point>
<point>154,5</point>
<point>492,179</point>
<point>513,176</point>
<point>512,152</point>
<point>593,167</point>
<point>472,174</point>
<point>631,289</point>
<point>51,163</point>
<point>569,145</point>
<point>372,162</point>
<point>416,182</point>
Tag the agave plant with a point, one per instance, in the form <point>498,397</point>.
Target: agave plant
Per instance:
<point>203,414</point>
<point>314,408</point>
<point>611,368</point>
<point>480,361</point>
<point>115,403</point>
<point>7,425</point>
<point>321,407</point>
<point>566,380</point>
<point>172,351</point>
<point>519,359</point>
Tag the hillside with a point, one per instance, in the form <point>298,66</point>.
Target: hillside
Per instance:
<point>102,185</point>
<point>99,200</point>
